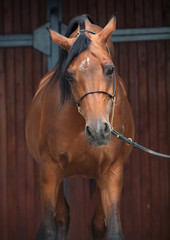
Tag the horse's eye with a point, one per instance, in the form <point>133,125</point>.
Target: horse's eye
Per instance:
<point>109,70</point>
<point>69,77</point>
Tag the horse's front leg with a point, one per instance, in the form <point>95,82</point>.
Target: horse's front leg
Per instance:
<point>49,188</point>
<point>110,185</point>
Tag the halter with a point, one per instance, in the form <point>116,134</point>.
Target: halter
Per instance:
<point>113,97</point>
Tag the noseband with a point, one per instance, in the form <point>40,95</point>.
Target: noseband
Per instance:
<point>113,97</point>
<point>77,103</point>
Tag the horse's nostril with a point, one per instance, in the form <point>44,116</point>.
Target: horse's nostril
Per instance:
<point>106,128</point>
<point>88,131</point>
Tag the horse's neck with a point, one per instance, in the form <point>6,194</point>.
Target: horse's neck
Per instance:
<point>44,81</point>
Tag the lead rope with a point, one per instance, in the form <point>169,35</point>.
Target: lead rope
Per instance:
<point>137,145</point>
<point>129,141</point>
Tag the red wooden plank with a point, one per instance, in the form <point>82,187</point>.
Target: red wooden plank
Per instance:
<point>80,218</point>
<point>168,119</point>
<point>153,125</point>
<point>11,137</point>
<point>1,18</point>
<point>101,13</point>
<point>76,209</point>
<point>34,11</point>
<point>65,11</point>
<point>82,7</point>
<point>92,10</point>
<point>11,146</point>
<point>134,158</point>
<point>17,17</point>
<point>120,9</point>
<point>143,128</point>
<point>143,131</point>
<point>73,9</point>
<point>153,139</point>
<point>127,194</point>
<point>42,12</point>
<point>7,16</point>
<point>168,90</point>
<point>129,14</point>
<point>157,9</point>
<point>20,148</point>
<point>127,216</point>
<point>139,21</point>
<point>110,9</point>
<point>163,125</point>
<point>3,151</point>
<point>148,14</point>
<point>26,16</point>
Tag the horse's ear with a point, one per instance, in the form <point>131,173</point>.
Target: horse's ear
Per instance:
<point>61,40</point>
<point>108,29</point>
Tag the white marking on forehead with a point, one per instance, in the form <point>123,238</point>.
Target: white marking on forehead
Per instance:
<point>84,64</point>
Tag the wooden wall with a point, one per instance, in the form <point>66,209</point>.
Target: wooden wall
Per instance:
<point>20,72</point>
<point>145,67</point>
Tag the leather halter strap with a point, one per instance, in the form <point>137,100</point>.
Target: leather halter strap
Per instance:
<point>78,103</point>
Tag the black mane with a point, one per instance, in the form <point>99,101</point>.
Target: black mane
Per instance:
<point>65,58</point>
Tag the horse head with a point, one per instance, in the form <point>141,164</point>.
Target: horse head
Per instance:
<point>90,76</point>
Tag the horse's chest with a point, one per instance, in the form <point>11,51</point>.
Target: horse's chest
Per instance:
<point>76,156</point>
<point>85,161</point>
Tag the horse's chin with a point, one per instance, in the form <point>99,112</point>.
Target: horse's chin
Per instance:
<point>99,143</point>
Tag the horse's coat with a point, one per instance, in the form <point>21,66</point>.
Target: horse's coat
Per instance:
<point>66,143</point>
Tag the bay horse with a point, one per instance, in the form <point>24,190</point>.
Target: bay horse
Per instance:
<point>66,142</point>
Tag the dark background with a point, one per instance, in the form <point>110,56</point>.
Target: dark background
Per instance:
<point>145,67</point>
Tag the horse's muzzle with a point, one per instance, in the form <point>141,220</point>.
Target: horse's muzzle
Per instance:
<point>98,132</point>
